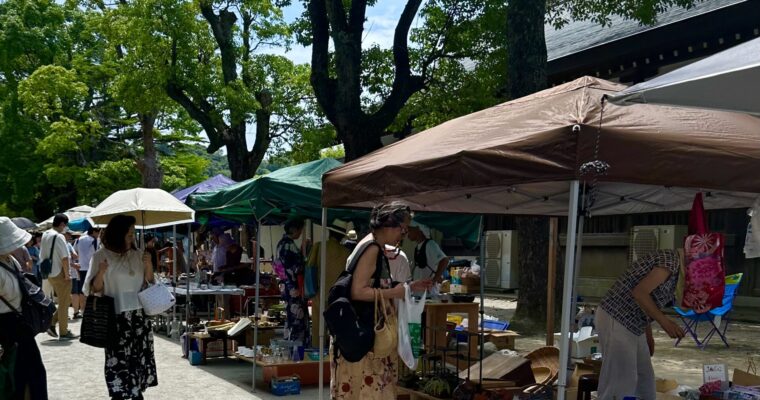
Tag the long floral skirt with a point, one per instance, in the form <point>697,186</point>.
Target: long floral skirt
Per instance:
<point>131,364</point>
<point>368,379</point>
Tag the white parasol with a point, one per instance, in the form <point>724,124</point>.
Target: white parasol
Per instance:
<point>152,208</point>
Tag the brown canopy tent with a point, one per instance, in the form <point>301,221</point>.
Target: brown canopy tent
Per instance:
<point>524,157</point>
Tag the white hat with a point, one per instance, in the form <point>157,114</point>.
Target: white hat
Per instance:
<point>422,227</point>
<point>11,236</point>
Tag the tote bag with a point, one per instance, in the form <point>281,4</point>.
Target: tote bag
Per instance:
<point>98,322</point>
<point>156,299</point>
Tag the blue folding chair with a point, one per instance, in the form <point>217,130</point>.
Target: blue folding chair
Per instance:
<point>721,315</point>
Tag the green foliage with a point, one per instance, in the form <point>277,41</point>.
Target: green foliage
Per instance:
<point>183,170</point>
<point>560,12</point>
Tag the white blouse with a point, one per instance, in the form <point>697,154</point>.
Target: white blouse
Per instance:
<point>123,279</point>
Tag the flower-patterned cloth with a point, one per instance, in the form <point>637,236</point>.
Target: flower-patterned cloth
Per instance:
<point>705,275</point>
<point>619,302</point>
<point>368,379</point>
<point>130,365</point>
<point>296,310</point>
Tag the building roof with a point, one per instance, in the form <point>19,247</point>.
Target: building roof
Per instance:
<point>578,36</point>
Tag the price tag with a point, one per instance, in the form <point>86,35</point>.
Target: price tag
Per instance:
<point>714,372</point>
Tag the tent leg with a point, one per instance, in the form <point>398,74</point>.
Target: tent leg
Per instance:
<point>188,260</point>
<point>256,302</point>
<point>567,292</point>
<point>322,273</point>
<point>174,279</point>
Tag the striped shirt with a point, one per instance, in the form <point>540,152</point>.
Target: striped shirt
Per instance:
<point>619,302</point>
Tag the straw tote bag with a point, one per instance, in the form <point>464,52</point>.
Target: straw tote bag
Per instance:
<point>386,336</point>
<point>156,299</point>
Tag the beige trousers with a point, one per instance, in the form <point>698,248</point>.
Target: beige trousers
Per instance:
<point>62,287</point>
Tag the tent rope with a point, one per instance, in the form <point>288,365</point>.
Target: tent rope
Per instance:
<point>595,167</point>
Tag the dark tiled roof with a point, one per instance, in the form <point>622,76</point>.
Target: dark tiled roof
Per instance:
<point>581,35</point>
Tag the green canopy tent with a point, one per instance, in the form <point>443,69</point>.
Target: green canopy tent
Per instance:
<point>297,190</point>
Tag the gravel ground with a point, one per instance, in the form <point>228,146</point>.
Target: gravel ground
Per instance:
<point>75,370</point>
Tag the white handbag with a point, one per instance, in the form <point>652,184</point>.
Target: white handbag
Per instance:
<point>156,299</point>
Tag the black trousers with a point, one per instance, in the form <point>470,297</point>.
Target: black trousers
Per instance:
<point>29,371</point>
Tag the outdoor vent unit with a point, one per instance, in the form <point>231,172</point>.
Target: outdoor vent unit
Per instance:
<point>649,238</point>
<point>501,259</point>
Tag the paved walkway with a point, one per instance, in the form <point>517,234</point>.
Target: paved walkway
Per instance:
<point>75,371</point>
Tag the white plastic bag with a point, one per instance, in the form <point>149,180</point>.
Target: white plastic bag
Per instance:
<point>410,327</point>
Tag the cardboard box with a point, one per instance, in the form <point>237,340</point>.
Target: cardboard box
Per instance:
<point>743,378</point>
<point>464,289</point>
<point>216,348</point>
<point>583,343</point>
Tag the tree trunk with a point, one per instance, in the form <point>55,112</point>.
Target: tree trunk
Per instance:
<point>359,140</point>
<point>527,66</point>
<point>526,47</point>
<point>149,167</point>
<point>237,154</point>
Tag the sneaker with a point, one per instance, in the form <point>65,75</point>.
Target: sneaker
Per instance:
<point>68,336</point>
<point>52,332</point>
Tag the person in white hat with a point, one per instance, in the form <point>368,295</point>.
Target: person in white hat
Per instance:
<point>29,374</point>
<point>429,260</point>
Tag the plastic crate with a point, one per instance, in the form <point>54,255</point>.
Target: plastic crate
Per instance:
<point>490,324</point>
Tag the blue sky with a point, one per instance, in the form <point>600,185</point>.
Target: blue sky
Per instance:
<point>381,22</point>
<point>378,29</point>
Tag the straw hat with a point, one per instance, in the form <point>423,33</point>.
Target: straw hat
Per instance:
<point>11,236</point>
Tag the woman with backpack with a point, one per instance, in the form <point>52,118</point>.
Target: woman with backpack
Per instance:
<point>373,377</point>
<point>119,270</point>
<point>19,349</point>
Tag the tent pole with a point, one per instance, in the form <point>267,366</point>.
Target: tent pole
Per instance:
<point>481,336</point>
<point>256,302</point>
<point>567,292</point>
<point>322,273</point>
<point>552,280</point>
<point>188,260</point>
<point>174,277</point>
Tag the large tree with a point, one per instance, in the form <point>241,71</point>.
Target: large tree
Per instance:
<point>339,76</point>
<point>526,74</point>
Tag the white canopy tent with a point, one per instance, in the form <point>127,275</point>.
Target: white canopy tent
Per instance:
<point>729,80</point>
<point>73,213</point>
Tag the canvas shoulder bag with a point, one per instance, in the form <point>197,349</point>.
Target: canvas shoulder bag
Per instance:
<point>46,266</point>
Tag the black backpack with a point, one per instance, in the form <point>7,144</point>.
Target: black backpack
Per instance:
<point>36,309</point>
<point>354,333</point>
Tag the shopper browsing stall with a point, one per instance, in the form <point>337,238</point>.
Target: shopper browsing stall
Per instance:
<point>624,324</point>
<point>373,377</point>
<point>291,259</point>
<point>119,270</point>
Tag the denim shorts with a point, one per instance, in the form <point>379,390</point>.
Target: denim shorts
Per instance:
<point>76,286</point>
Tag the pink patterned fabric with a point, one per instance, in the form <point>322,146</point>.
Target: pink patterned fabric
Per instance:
<point>705,273</point>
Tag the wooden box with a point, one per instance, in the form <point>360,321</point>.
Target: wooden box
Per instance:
<point>502,339</point>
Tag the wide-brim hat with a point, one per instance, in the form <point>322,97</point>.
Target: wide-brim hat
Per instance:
<point>11,236</point>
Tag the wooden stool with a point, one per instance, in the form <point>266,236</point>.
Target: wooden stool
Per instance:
<point>587,384</point>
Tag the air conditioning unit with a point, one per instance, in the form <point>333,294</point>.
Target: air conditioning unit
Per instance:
<point>501,269</point>
<point>646,239</point>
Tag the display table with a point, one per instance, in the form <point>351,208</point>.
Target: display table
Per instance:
<point>435,321</point>
<point>307,370</point>
<point>205,339</point>
<point>182,291</point>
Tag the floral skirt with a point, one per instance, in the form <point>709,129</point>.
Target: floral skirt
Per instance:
<point>131,365</point>
<point>368,379</point>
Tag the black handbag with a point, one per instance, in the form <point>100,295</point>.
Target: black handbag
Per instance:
<point>99,322</point>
